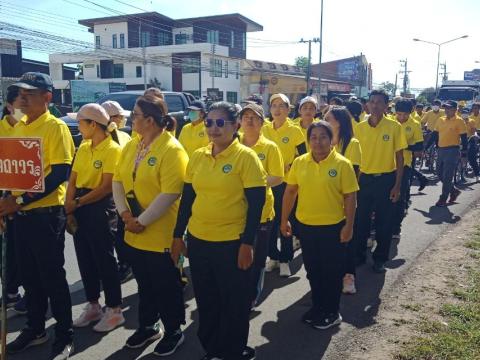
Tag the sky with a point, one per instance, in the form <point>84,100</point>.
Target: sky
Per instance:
<point>383,30</point>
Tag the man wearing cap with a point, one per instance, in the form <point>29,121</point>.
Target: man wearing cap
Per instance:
<point>193,136</point>
<point>448,132</point>
<point>40,222</point>
<point>307,109</point>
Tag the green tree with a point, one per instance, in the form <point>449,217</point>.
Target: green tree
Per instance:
<point>155,83</point>
<point>388,87</point>
<point>427,95</point>
<point>302,63</point>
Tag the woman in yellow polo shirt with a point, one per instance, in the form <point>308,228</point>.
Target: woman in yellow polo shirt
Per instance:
<point>291,142</point>
<point>89,199</point>
<point>222,203</point>
<point>146,187</point>
<point>347,145</point>
<point>251,118</point>
<point>326,186</point>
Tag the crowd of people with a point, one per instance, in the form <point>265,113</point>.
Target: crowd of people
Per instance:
<point>233,194</point>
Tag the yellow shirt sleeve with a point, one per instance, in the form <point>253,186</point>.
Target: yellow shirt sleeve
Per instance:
<point>61,147</point>
<point>252,172</point>
<point>123,155</point>
<point>191,165</point>
<point>298,136</point>
<point>172,171</point>
<point>292,174</point>
<point>355,152</point>
<point>78,157</point>
<point>461,127</point>
<point>417,134</point>
<point>400,139</point>
<point>112,159</point>
<point>348,181</point>
<point>275,166</point>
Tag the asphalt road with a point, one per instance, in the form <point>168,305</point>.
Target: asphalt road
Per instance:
<point>275,329</point>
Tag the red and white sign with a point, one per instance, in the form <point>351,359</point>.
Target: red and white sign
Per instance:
<point>21,164</point>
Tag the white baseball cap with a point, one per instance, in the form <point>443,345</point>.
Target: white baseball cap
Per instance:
<point>284,98</point>
<point>113,108</point>
<point>92,112</point>
<point>308,99</point>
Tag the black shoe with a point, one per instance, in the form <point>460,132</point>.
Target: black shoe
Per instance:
<point>308,317</point>
<point>143,336</point>
<point>169,343</point>
<point>327,322</point>
<point>26,339</point>
<point>423,183</point>
<point>379,267</point>
<point>248,353</point>
<point>62,349</point>
<point>125,273</point>
<point>11,301</point>
<point>21,306</point>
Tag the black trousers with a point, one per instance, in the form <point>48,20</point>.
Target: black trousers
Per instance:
<point>260,256</point>
<point>401,206</point>
<point>13,277</point>
<point>351,252</point>
<point>223,294</point>
<point>374,195</point>
<point>324,259</point>
<point>40,242</point>
<point>160,292</point>
<point>285,254</point>
<point>94,241</point>
<point>120,246</point>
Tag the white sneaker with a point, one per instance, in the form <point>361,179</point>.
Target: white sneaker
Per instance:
<point>349,284</point>
<point>296,243</point>
<point>285,270</point>
<point>110,320</point>
<point>91,313</point>
<point>271,265</point>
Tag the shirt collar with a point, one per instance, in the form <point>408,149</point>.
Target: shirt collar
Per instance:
<point>103,144</point>
<point>225,153</point>
<point>328,159</point>
<point>37,122</point>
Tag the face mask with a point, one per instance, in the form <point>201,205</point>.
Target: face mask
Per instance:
<point>435,107</point>
<point>18,114</point>
<point>194,115</point>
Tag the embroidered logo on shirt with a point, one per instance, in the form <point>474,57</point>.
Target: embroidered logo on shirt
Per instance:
<point>386,137</point>
<point>227,168</point>
<point>261,156</point>
<point>285,140</point>
<point>152,161</point>
<point>97,164</point>
<point>202,134</point>
<point>332,172</point>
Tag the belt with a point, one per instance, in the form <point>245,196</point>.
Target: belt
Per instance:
<point>40,211</point>
<point>379,174</point>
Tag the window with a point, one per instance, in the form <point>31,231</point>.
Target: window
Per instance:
<point>284,67</point>
<point>272,66</point>
<point>226,69</point>
<point>232,97</point>
<point>98,71</point>
<point>190,65</point>
<point>232,40</point>
<point>212,36</point>
<point>195,93</point>
<point>145,39</point>
<point>258,64</point>
<point>114,41</point>
<point>216,68</point>
<point>244,41</point>
<point>237,70</point>
<point>117,71</point>
<point>122,41</point>
<point>97,42</point>
<point>139,71</point>
<point>174,103</point>
<point>164,38</point>
<point>181,39</point>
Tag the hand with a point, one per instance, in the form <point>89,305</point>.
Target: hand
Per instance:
<point>346,234</point>
<point>178,248</point>
<point>395,194</point>
<point>245,256</point>
<point>126,215</point>
<point>70,206</point>
<point>132,225</point>
<point>286,229</point>
<point>9,205</point>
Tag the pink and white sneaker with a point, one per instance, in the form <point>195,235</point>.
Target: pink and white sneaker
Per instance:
<point>91,313</point>
<point>110,320</point>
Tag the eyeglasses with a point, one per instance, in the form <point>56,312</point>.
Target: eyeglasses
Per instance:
<point>219,123</point>
<point>134,115</point>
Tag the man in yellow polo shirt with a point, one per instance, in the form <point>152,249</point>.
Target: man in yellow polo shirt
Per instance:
<point>430,118</point>
<point>40,222</point>
<point>382,141</point>
<point>476,114</point>
<point>449,132</point>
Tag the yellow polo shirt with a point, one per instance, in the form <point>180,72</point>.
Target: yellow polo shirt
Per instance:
<point>193,137</point>
<point>362,116</point>
<point>123,138</point>
<point>272,162</point>
<point>58,148</point>
<point>471,126</point>
<point>219,211</point>
<point>91,163</point>
<point>354,126</point>
<point>321,187</point>
<point>430,118</point>
<point>353,152</point>
<point>304,131</point>
<point>162,170</point>
<point>379,145</point>
<point>413,135</point>
<point>287,137</point>
<point>449,131</point>
<point>476,119</point>
<point>5,128</point>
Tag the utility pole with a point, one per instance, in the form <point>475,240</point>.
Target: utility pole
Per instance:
<point>445,74</point>
<point>320,54</point>
<point>405,71</point>
<point>395,88</point>
<point>144,55</point>
<point>213,65</point>
<point>309,64</point>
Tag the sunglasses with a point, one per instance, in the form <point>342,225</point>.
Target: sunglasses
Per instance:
<point>219,123</point>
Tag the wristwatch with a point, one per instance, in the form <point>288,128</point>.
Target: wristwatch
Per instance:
<point>19,200</point>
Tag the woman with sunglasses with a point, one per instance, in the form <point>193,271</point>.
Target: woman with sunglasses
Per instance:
<point>347,145</point>
<point>222,203</point>
<point>251,118</point>
<point>147,185</point>
<point>291,142</point>
<point>326,186</point>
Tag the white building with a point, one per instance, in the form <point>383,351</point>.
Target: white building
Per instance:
<point>197,55</point>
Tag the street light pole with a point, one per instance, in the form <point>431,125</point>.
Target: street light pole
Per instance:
<point>438,54</point>
<point>320,55</point>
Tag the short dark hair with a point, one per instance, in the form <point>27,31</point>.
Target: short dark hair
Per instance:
<point>320,124</point>
<point>437,102</point>
<point>404,105</point>
<point>355,108</point>
<point>336,100</point>
<point>419,105</point>
<point>379,92</point>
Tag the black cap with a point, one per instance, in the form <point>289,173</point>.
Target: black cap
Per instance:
<point>197,105</point>
<point>450,104</point>
<point>35,80</point>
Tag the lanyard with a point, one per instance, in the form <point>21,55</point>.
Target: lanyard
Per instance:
<point>142,151</point>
